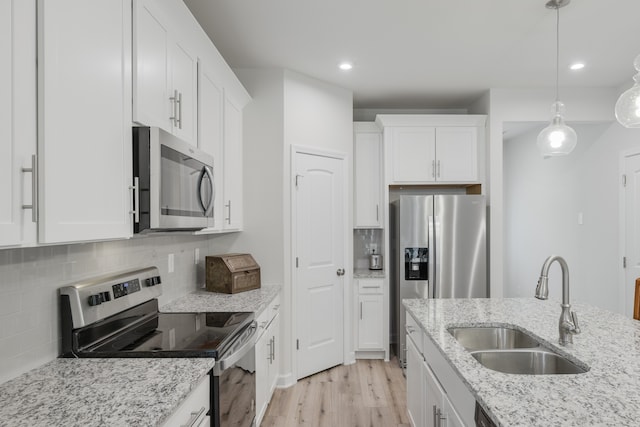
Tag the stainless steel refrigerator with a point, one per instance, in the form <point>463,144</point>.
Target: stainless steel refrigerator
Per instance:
<point>439,249</point>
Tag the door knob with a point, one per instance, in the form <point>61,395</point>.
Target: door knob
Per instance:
<point>340,272</point>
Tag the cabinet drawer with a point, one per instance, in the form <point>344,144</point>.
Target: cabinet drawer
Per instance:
<point>194,408</point>
<point>268,315</point>
<point>414,333</point>
<point>370,286</point>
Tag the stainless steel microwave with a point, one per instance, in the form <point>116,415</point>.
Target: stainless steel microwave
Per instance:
<point>173,183</point>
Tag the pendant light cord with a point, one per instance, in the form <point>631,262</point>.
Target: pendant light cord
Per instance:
<point>557,50</point>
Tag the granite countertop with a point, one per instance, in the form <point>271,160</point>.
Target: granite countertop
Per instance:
<point>199,301</point>
<point>365,273</point>
<point>607,395</point>
<point>100,392</point>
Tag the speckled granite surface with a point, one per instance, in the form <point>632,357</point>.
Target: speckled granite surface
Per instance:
<point>256,301</point>
<point>607,395</point>
<point>100,392</point>
<point>368,274</point>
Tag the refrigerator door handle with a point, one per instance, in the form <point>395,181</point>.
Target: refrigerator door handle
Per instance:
<point>432,256</point>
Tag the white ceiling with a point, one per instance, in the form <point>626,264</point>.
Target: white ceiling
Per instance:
<point>428,53</point>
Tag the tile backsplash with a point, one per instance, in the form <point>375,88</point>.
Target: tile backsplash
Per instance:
<point>30,278</point>
<point>363,241</point>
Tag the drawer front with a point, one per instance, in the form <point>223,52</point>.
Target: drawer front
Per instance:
<point>370,286</point>
<point>193,410</point>
<point>414,333</point>
<point>245,281</point>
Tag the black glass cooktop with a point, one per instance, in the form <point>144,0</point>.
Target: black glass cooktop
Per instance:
<point>162,335</point>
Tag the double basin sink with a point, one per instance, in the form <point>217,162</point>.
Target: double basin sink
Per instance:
<point>512,351</point>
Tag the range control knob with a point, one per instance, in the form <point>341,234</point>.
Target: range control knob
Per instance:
<point>106,296</point>
<point>152,281</point>
<point>95,299</point>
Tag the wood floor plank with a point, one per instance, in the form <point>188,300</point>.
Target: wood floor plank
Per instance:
<point>369,393</point>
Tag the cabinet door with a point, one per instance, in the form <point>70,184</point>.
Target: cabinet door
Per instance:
<point>232,217</point>
<point>151,104</point>
<point>433,398</point>
<point>84,106</point>
<point>457,154</point>
<point>184,74</point>
<point>210,133</point>
<point>368,180</point>
<point>451,417</point>
<point>17,119</point>
<point>274,332</point>
<point>413,154</point>
<point>415,393</point>
<point>262,351</point>
<point>370,326</point>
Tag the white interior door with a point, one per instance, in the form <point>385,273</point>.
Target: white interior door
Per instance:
<point>319,276</point>
<point>632,229</point>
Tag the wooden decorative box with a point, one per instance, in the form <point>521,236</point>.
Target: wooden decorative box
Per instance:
<point>232,273</point>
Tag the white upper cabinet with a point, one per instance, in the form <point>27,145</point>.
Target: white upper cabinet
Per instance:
<point>164,73</point>
<point>84,120</point>
<point>367,175</point>
<point>232,192</point>
<point>210,132</point>
<point>17,120</point>
<point>457,154</point>
<point>433,149</point>
<point>413,154</point>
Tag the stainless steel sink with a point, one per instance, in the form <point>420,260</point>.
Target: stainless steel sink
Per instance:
<point>492,338</point>
<point>512,351</point>
<point>529,362</point>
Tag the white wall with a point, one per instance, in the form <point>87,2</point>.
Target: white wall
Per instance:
<point>507,105</point>
<point>543,199</point>
<point>287,109</point>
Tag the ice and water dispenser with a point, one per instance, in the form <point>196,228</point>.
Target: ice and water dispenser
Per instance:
<point>416,263</point>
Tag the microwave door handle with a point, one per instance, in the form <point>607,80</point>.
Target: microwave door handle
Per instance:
<point>206,171</point>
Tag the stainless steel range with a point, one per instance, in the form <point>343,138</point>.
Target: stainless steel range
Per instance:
<point>117,316</point>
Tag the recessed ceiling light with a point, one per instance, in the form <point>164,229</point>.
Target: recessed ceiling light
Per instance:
<point>345,66</point>
<point>577,66</point>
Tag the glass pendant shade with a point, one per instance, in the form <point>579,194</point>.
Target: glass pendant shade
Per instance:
<point>557,139</point>
<point>628,105</point>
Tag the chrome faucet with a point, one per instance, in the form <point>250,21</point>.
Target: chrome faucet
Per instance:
<point>568,325</point>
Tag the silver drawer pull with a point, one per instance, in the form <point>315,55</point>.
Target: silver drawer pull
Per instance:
<point>195,416</point>
<point>371,287</point>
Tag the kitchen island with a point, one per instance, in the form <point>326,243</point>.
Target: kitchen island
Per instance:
<point>609,345</point>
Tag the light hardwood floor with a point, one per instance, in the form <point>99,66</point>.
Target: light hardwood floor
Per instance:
<point>369,393</point>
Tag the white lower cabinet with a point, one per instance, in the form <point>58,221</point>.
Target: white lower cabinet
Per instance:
<point>193,411</point>
<point>415,393</point>
<point>439,411</point>
<point>370,330</point>
<point>436,396</point>
<point>267,357</point>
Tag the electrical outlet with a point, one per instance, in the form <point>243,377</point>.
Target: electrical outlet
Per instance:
<point>196,256</point>
<point>170,262</point>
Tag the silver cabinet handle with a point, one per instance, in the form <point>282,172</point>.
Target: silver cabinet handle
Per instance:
<point>435,416</point>
<point>377,214</point>
<point>180,110</point>
<point>135,188</point>
<point>433,168</point>
<point>228,205</point>
<point>174,106</point>
<point>438,168</point>
<point>371,287</point>
<point>195,416</point>
<point>273,349</point>
<point>34,188</point>
<point>340,272</point>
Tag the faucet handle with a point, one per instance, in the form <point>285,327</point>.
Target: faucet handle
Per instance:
<point>576,326</point>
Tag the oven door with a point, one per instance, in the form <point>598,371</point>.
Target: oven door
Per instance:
<point>234,383</point>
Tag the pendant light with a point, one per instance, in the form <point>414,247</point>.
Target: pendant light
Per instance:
<point>557,139</point>
<point>628,105</point>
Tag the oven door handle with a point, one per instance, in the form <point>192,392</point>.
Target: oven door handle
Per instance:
<point>233,358</point>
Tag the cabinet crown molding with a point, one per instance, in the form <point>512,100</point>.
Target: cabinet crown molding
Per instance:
<point>440,120</point>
